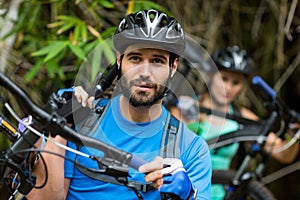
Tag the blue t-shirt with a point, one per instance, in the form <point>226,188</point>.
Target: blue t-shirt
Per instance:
<point>144,140</point>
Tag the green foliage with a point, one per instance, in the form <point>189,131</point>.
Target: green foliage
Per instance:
<point>70,36</point>
<point>105,3</point>
<point>55,37</point>
<point>143,5</point>
<point>67,40</point>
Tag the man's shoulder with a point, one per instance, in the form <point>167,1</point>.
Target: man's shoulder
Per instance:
<point>189,136</point>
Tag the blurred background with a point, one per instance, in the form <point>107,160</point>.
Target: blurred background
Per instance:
<point>43,43</point>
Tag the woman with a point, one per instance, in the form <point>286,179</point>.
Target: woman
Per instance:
<point>223,89</point>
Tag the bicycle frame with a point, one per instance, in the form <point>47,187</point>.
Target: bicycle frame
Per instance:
<point>254,131</point>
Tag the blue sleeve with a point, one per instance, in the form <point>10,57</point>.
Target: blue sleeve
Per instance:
<point>197,162</point>
<point>69,161</point>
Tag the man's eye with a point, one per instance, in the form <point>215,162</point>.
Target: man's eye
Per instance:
<point>134,58</point>
<point>157,60</point>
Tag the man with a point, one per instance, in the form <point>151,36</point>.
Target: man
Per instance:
<point>148,44</point>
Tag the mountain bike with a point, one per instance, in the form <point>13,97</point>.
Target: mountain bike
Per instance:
<point>245,182</point>
<point>16,164</point>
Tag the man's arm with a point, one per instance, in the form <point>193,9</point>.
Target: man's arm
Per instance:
<point>199,167</point>
<point>56,186</point>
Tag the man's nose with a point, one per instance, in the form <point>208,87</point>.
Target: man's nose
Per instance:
<point>145,68</point>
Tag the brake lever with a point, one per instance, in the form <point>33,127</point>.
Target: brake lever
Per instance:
<point>112,167</point>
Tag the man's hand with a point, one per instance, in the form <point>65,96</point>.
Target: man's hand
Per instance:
<point>179,184</point>
<point>80,94</point>
<point>168,176</point>
<point>176,181</point>
<point>83,97</point>
<point>154,172</point>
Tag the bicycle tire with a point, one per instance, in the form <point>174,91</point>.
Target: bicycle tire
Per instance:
<point>254,190</point>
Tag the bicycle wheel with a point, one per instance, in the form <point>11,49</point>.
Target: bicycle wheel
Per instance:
<point>253,190</point>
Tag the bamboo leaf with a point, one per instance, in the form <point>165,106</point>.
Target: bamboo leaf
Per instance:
<point>84,32</point>
<point>54,69</point>
<point>56,48</point>
<point>90,46</point>
<point>61,73</point>
<point>80,32</point>
<point>66,27</point>
<point>77,51</point>
<point>96,60</point>
<point>106,4</point>
<point>77,33</point>
<point>33,71</point>
<point>67,18</point>
<point>108,50</point>
<point>108,32</point>
<point>50,67</point>
<point>56,24</point>
<point>43,51</point>
<point>142,5</point>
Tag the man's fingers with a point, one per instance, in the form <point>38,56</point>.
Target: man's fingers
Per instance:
<point>153,171</point>
<point>81,95</point>
<point>90,102</point>
<point>156,164</point>
<point>158,183</point>
<point>154,176</point>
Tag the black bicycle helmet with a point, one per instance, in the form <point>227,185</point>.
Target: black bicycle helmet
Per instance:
<point>150,27</point>
<point>234,59</point>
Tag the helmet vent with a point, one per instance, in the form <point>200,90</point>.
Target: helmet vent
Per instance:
<point>150,26</point>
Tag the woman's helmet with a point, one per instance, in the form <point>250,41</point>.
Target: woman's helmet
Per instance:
<point>150,27</point>
<point>234,59</point>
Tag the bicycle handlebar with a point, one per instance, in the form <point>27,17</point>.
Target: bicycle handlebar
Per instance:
<point>288,115</point>
<point>257,80</point>
<point>57,125</point>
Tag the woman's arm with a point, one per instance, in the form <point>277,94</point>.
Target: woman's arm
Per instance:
<point>274,142</point>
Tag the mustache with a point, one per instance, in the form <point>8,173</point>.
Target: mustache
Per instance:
<point>144,81</point>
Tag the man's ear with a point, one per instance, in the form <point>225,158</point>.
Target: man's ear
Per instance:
<point>118,59</point>
<point>174,66</point>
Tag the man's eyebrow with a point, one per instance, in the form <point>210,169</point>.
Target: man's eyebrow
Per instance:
<point>160,56</point>
<point>133,53</point>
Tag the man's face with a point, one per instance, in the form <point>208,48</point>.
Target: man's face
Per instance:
<point>145,73</point>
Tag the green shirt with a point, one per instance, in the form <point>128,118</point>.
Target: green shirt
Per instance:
<point>221,157</point>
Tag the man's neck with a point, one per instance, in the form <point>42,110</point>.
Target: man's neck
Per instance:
<point>140,113</point>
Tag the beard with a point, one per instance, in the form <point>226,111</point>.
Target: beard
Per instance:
<point>140,98</point>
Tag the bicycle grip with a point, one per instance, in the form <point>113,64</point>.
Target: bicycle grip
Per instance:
<point>172,164</point>
<point>257,80</point>
<point>136,162</point>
